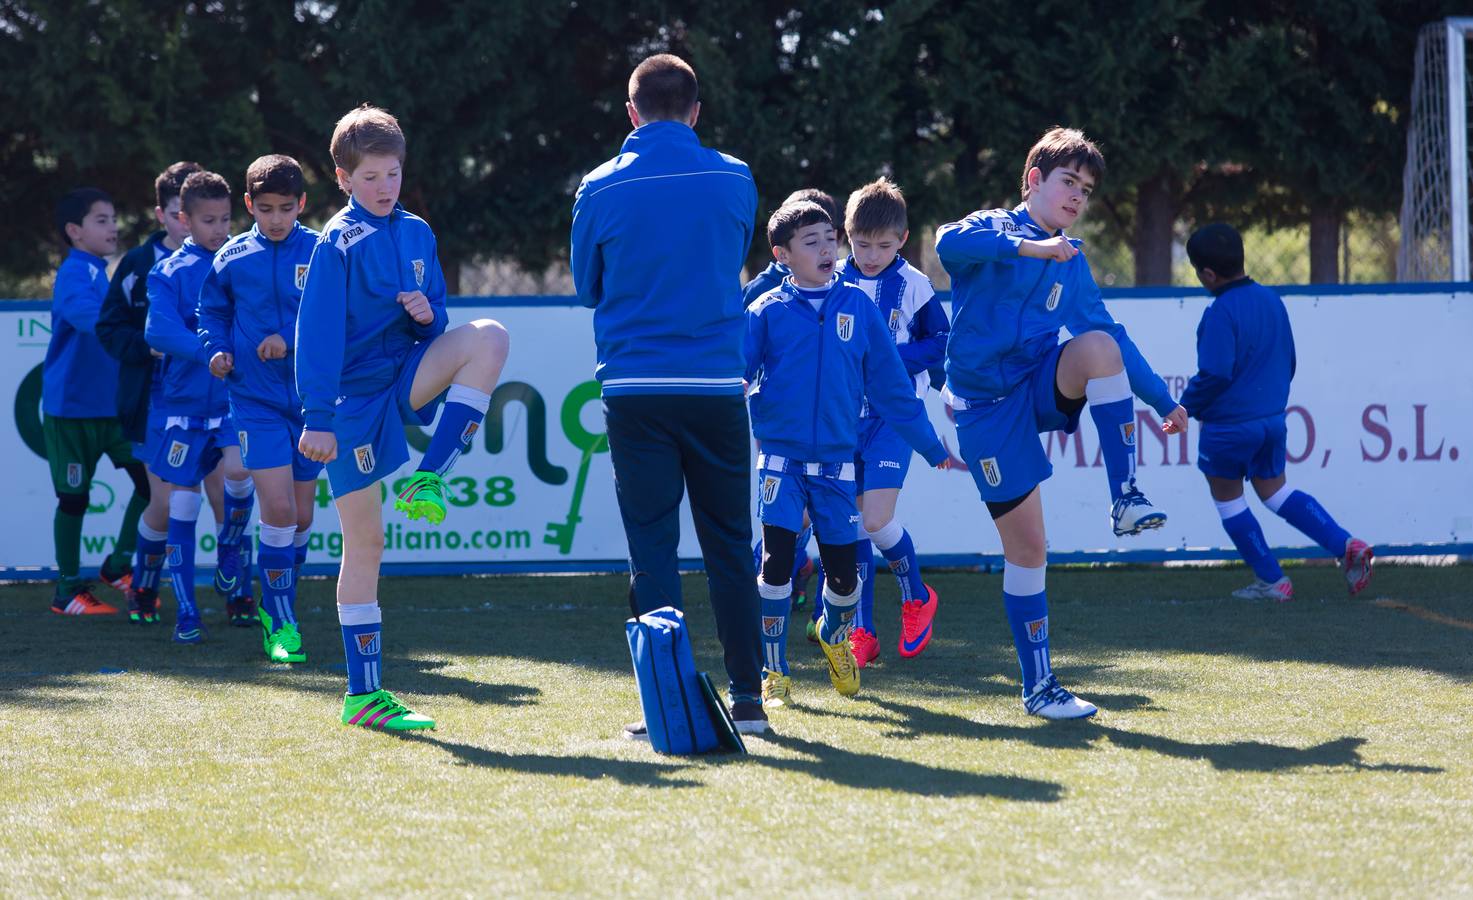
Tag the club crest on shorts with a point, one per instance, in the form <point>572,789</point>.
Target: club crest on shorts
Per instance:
<point>772,626</point>
<point>1127,433</point>
<point>367,643</point>
<point>363,456</point>
<point>301,279</point>
<point>419,271</point>
<point>990,471</point>
<point>74,475</point>
<point>177,451</point>
<point>770,484</point>
<point>279,579</point>
<point>1037,630</point>
<point>844,324</point>
<point>1052,303</point>
<point>243,450</point>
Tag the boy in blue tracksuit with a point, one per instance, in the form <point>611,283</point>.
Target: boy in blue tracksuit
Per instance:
<point>248,323</point>
<point>817,351</point>
<point>1245,361</point>
<point>876,220</point>
<point>198,435</point>
<point>1016,278</point>
<point>373,354</point>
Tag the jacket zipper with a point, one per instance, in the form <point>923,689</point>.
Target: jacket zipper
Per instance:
<point>817,377</point>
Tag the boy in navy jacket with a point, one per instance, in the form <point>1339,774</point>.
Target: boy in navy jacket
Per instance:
<point>817,351</point>
<point>1245,361</point>
<point>773,275</point>
<point>373,354</point>
<point>248,323</point>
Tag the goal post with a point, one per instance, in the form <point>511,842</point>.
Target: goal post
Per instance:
<point>1435,241</point>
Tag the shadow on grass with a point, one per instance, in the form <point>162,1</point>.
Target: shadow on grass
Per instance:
<point>593,768</point>
<point>1256,756</point>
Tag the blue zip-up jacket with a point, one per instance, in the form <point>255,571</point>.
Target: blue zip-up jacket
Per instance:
<point>811,371</point>
<point>1245,356</point>
<point>764,281</point>
<point>352,333</point>
<point>173,302</point>
<point>252,291</point>
<point>1006,309</point>
<point>79,380</point>
<point>660,234</point>
<point>907,302</point>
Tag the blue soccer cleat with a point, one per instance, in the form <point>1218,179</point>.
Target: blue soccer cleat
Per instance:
<point>227,570</point>
<point>188,631</point>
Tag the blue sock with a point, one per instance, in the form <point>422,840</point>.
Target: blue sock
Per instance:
<point>1243,528</point>
<point>277,559</point>
<point>1026,604</point>
<point>838,615</point>
<point>299,557</point>
<point>240,497</point>
<point>179,551</point>
<point>362,625</point>
<point>247,570</point>
<point>1305,513</point>
<point>777,604</point>
<point>865,559</point>
<point>818,592</point>
<point>1112,406</point>
<point>901,555</point>
<point>465,407</point>
<point>149,560</point>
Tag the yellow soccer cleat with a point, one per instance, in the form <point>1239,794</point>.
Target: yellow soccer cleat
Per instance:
<point>777,690</point>
<point>842,670</point>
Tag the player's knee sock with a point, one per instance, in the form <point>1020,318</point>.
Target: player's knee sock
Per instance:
<point>1243,528</point>
<point>777,604</point>
<point>838,614</point>
<point>277,559</point>
<point>179,551</point>
<point>1026,604</point>
<point>299,556</point>
<point>864,560</point>
<point>1305,513</point>
<point>1112,406</point>
<point>362,644</point>
<point>465,407</point>
<point>240,497</point>
<point>150,559</point>
<point>128,533</point>
<point>900,552</point>
<point>66,529</point>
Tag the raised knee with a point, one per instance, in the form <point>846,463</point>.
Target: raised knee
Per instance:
<point>492,335</point>
<point>842,584</point>
<point>1101,347</point>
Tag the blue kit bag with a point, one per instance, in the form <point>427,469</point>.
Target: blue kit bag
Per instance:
<point>676,710</point>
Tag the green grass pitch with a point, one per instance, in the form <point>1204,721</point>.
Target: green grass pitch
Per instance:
<point>1317,748</point>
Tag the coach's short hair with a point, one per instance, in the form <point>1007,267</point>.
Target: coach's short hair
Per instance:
<point>166,187</point>
<point>876,208</point>
<point>275,174</point>
<point>1062,146</point>
<point>1218,247</point>
<point>790,217</point>
<point>74,206</point>
<point>663,88</point>
<point>365,131</point>
<point>203,186</point>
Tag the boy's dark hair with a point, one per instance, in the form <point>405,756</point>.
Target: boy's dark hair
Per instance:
<point>663,87</point>
<point>203,186</point>
<point>74,206</point>
<point>275,174</point>
<point>365,131</point>
<point>826,200</point>
<point>876,208</point>
<point>1062,146</point>
<point>790,217</point>
<point>166,186</point>
<point>1218,247</point>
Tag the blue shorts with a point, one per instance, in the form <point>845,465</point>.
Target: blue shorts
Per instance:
<point>1252,449</point>
<point>999,438</point>
<point>268,439</point>
<point>370,430</point>
<point>785,491</point>
<point>187,453</point>
<point>883,457</point>
<point>153,436</point>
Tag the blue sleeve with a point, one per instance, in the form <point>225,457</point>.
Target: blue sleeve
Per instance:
<point>323,317</point>
<point>1088,313</point>
<point>75,300</point>
<point>165,329</point>
<point>216,312</point>
<point>890,391</point>
<point>115,329</point>
<point>929,331</point>
<point>585,254</point>
<point>975,239</point>
<point>1216,356</point>
<point>434,291</point>
<point>754,345</point>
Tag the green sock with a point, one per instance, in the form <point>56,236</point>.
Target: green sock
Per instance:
<point>122,556</point>
<point>67,530</point>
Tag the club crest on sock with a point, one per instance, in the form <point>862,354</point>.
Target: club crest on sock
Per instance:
<point>368,643</point>
<point>1037,630</point>
<point>1127,433</point>
<point>772,626</point>
<point>172,554</point>
<point>279,579</point>
<point>469,432</point>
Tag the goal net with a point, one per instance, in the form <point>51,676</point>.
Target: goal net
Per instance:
<point>1434,205</point>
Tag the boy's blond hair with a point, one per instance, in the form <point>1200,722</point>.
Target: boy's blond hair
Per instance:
<point>365,131</point>
<point>1062,146</point>
<point>876,208</point>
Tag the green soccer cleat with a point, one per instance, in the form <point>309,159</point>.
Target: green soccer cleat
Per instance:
<point>283,644</point>
<point>423,498</point>
<point>381,710</point>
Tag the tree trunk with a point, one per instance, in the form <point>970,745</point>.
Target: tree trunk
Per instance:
<point>1325,224</point>
<point>1155,219</point>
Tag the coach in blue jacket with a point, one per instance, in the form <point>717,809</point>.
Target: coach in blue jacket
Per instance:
<point>660,233</point>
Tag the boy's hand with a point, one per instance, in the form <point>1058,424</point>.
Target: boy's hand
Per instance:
<point>1176,422</point>
<point>274,347</point>
<point>318,446</point>
<point>221,364</point>
<point>944,464</point>
<point>1055,248</point>
<point>418,306</point>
